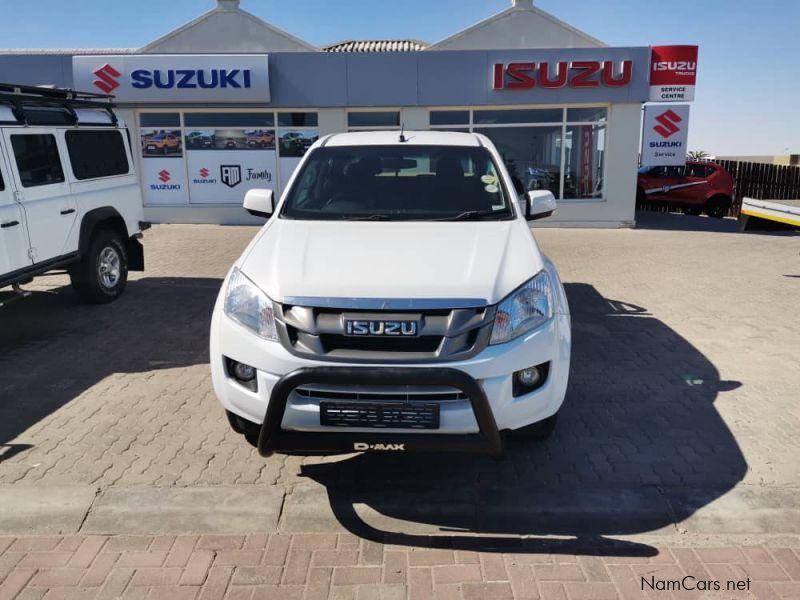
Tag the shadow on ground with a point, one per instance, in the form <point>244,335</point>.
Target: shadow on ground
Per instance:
<point>673,221</point>
<point>52,347</point>
<point>638,447</point>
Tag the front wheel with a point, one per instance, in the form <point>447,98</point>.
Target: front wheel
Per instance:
<point>537,432</point>
<point>102,273</point>
<point>716,207</point>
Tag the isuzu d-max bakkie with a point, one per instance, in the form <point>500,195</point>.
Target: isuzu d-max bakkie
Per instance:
<point>395,300</point>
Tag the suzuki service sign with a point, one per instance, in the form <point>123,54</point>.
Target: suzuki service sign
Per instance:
<point>664,134</point>
<point>175,77</point>
<point>673,73</point>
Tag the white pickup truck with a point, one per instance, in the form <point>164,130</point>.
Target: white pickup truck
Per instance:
<point>395,300</point>
<point>69,194</point>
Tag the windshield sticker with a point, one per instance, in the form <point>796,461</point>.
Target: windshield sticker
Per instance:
<point>489,179</point>
<point>492,189</point>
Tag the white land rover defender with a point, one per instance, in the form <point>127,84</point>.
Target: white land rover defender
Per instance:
<point>395,301</point>
<point>69,195</point>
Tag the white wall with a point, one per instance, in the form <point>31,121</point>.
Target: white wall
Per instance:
<point>518,29</point>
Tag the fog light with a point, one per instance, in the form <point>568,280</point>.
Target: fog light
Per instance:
<point>244,374</point>
<point>527,380</point>
<point>528,377</point>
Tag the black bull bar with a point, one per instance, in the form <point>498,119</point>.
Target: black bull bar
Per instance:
<point>275,439</point>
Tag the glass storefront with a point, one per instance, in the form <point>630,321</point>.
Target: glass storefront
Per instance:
<point>556,149</point>
<point>213,158</point>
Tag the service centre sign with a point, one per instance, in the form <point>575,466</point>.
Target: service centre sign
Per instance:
<point>175,77</point>
<point>664,134</point>
<point>673,73</point>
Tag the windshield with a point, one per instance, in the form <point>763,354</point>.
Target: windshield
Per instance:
<point>398,183</point>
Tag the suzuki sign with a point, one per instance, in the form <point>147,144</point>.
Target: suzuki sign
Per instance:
<point>673,73</point>
<point>664,134</point>
<point>175,77</point>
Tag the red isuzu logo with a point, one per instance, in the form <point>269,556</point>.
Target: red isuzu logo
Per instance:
<point>673,65</point>
<point>575,74</point>
<point>107,78</point>
<point>667,124</point>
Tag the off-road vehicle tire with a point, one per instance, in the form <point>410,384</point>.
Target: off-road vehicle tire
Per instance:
<point>538,432</point>
<point>102,273</point>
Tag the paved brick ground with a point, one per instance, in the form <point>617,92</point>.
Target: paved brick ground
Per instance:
<point>342,566</point>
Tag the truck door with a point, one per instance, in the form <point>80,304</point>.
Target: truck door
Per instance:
<point>13,236</point>
<point>42,190</point>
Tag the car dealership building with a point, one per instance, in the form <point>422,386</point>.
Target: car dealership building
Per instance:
<point>229,102</point>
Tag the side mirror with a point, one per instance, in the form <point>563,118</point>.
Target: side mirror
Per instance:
<point>539,204</point>
<point>258,202</point>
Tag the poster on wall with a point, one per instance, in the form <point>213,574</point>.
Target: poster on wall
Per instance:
<point>164,176</point>
<point>164,181</point>
<point>664,134</point>
<point>224,163</point>
<point>293,145</point>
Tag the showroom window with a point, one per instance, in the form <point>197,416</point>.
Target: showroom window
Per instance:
<point>557,149</point>
<point>373,119</point>
<point>213,157</point>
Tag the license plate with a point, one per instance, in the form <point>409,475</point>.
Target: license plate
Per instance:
<point>380,415</point>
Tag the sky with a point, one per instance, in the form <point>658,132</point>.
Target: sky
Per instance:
<point>747,89</point>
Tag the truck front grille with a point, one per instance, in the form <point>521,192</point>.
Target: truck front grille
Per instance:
<point>441,334</point>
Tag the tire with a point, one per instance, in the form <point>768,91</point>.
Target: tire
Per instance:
<point>717,206</point>
<point>538,432</point>
<point>640,198</point>
<point>101,275</point>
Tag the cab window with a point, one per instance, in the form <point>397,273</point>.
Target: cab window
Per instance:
<point>96,153</point>
<point>37,159</point>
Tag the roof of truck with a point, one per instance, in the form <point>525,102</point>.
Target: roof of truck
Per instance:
<point>390,138</point>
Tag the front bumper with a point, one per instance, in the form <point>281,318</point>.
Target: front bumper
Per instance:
<point>274,438</point>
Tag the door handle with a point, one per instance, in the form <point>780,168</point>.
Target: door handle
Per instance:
<point>68,211</point>
<point>9,224</point>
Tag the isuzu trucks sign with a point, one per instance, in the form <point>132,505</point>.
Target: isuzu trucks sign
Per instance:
<point>175,77</point>
<point>664,134</point>
<point>673,73</point>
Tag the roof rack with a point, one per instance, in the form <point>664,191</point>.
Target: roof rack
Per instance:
<point>21,96</point>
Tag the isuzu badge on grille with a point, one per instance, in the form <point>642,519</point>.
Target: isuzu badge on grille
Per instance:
<point>380,328</point>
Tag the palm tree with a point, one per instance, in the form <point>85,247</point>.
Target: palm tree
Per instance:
<point>697,155</point>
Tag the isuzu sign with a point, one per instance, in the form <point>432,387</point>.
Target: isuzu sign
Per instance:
<point>664,134</point>
<point>573,74</point>
<point>175,77</point>
<point>673,73</point>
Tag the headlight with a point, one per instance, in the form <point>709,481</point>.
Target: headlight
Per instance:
<point>246,304</point>
<point>523,310</point>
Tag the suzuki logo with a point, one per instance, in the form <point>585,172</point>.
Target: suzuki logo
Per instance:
<point>107,78</point>
<point>163,175</point>
<point>203,172</point>
<point>667,127</point>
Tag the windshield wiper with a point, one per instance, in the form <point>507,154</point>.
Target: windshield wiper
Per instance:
<point>366,218</point>
<point>472,214</point>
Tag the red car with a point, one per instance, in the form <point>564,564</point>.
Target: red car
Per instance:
<point>694,187</point>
